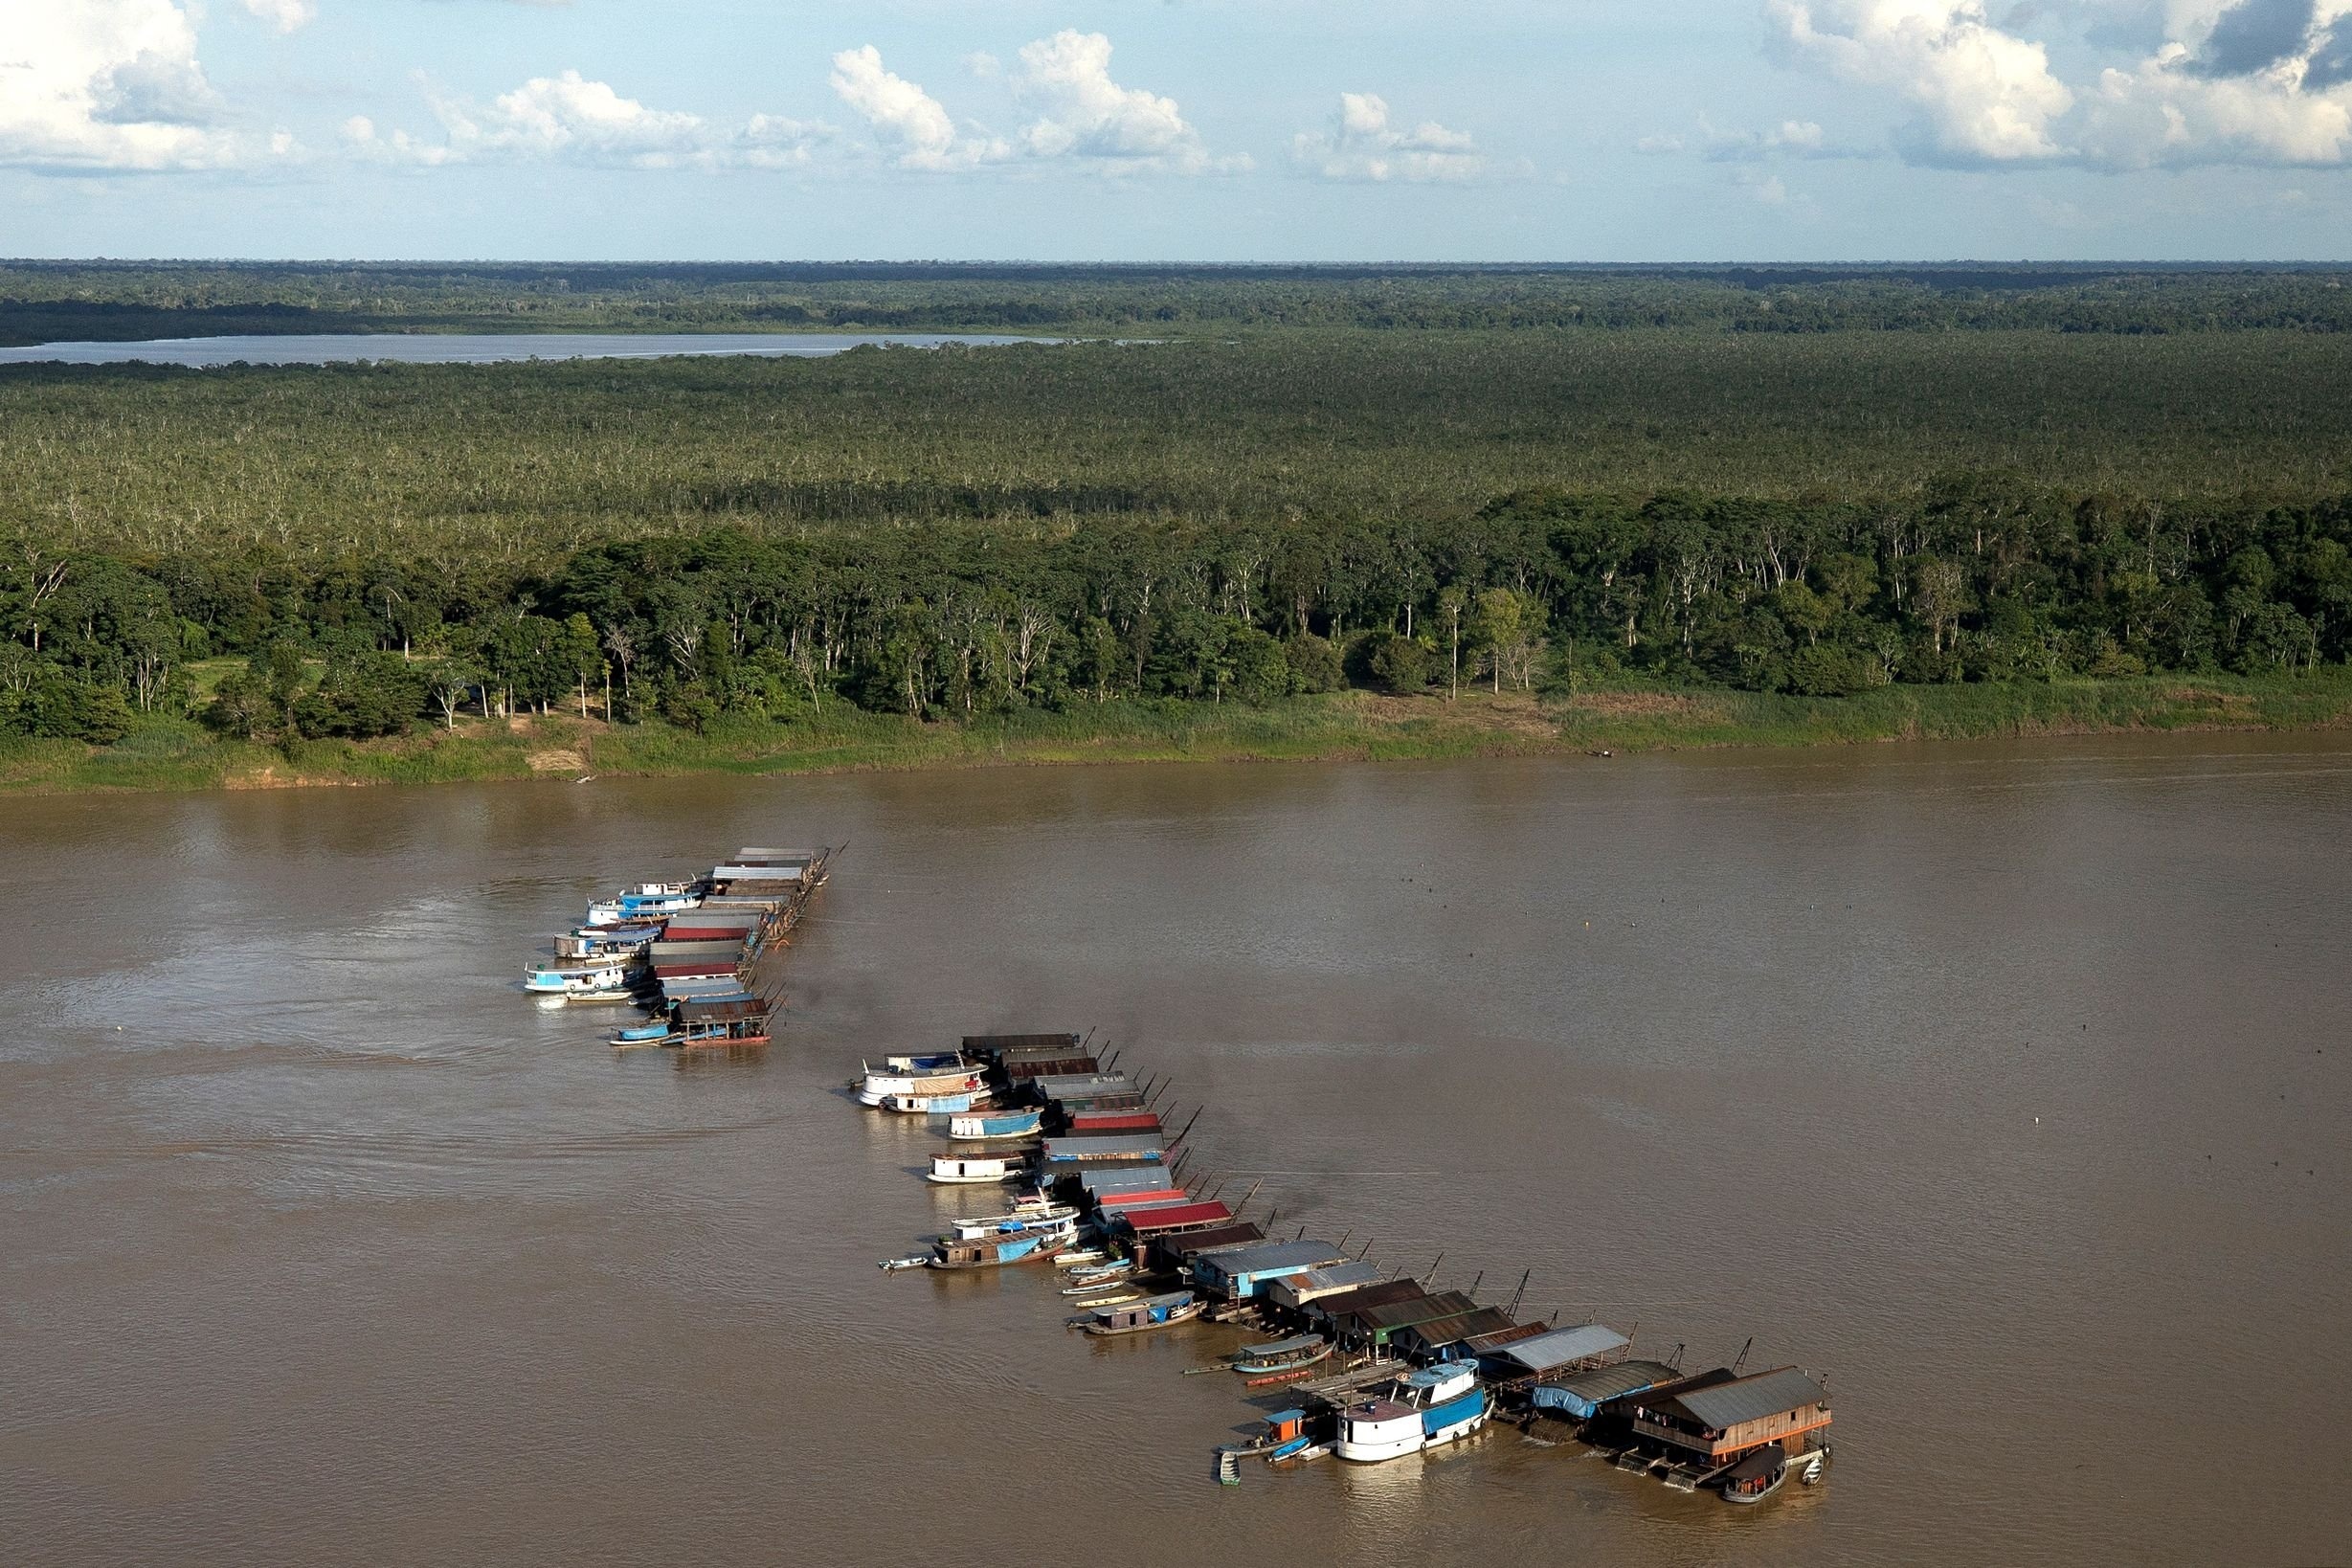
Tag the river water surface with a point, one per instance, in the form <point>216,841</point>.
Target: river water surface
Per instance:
<point>2007,1087</point>
<point>479,348</point>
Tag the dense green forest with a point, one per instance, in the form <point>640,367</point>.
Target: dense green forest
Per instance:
<point>1544,505</point>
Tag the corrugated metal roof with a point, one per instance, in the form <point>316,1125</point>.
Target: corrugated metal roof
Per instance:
<point>1123,1178</point>
<point>1751,1398</point>
<point>1108,1147</point>
<point>1339,1276</point>
<point>1192,1243</point>
<point>1609,1381</point>
<point>1258,1259</point>
<point>1439,1332</point>
<point>1115,1121</point>
<point>1562,1346</point>
<point>1481,1344</point>
<point>1369,1295</point>
<point>1144,1218</point>
<point>1124,1199</point>
<point>1055,1086</point>
<point>1009,1044</point>
<point>1399,1314</point>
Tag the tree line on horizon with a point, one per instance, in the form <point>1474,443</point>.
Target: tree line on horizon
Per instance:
<point>1537,592</point>
<point>42,302</point>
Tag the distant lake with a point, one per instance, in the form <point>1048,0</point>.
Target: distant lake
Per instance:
<point>479,348</point>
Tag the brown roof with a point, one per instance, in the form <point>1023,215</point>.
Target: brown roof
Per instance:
<point>1370,1295</point>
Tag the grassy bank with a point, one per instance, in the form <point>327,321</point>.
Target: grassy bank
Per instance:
<point>178,755</point>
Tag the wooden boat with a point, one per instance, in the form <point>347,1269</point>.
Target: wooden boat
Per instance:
<point>605,941</point>
<point>1062,1219</point>
<point>986,1126</point>
<point>1142,1316</point>
<point>608,980</point>
<point>1756,1477</point>
<point>644,1033</point>
<point>933,1104</point>
<point>950,1169</point>
<point>878,1085</point>
<point>989,1251</point>
<point>1082,1259</point>
<point>651,900</point>
<point>1280,1355</point>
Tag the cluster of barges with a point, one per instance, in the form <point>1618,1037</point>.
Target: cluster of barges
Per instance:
<point>1378,1366</point>
<point>685,952</point>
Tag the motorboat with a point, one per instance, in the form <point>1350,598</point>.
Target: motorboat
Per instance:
<point>1419,1409</point>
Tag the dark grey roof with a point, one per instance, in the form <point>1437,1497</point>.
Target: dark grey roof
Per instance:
<point>1292,1256</point>
<point>1752,1399</point>
<point>1607,1382</point>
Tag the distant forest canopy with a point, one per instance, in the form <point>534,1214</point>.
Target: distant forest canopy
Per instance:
<point>42,301</point>
<point>1227,516</point>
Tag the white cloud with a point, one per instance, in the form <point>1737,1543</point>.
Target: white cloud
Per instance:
<point>910,123</point>
<point>286,15</point>
<point>2234,82</point>
<point>569,119</point>
<point>1083,114</point>
<point>1361,144</point>
<point>1985,96</point>
<point>111,85</point>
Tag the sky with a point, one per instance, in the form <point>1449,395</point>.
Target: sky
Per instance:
<point>1200,130</point>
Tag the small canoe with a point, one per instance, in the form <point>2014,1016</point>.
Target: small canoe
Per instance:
<point>1079,1261</point>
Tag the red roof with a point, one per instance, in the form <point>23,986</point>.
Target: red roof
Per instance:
<point>1151,1221</point>
<point>1121,1201</point>
<point>1115,1121</point>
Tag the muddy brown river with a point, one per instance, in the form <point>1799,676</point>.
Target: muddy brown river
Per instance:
<point>2009,1089</point>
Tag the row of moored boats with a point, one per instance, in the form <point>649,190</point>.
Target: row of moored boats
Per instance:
<point>685,951</point>
<point>1380,1366</point>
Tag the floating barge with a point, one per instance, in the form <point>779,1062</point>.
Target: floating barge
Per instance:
<point>690,951</point>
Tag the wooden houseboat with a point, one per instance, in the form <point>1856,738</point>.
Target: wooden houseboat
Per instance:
<point>1141,1316</point>
<point>951,1169</point>
<point>1705,1427</point>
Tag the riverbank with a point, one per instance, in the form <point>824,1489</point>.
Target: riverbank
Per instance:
<point>176,754</point>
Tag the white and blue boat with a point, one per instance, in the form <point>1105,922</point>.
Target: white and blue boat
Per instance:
<point>1420,1409</point>
<point>651,900</point>
<point>605,980</point>
<point>1060,1219</point>
<point>983,1126</point>
<point>935,1105</point>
